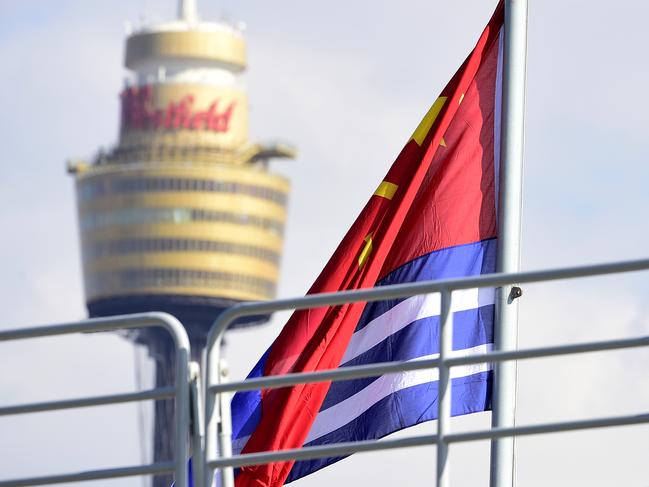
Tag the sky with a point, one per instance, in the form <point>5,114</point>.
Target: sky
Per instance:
<point>346,82</point>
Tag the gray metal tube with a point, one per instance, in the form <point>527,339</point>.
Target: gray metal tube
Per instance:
<point>181,446</point>
<point>348,448</point>
<point>509,233</point>
<point>212,403</point>
<point>159,393</point>
<point>376,370</point>
<point>325,451</point>
<point>537,429</point>
<point>412,289</point>
<point>111,323</point>
<point>198,430</point>
<point>109,473</point>
<point>224,320</point>
<point>444,389</point>
<point>225,430</point>
<point>140,320</point>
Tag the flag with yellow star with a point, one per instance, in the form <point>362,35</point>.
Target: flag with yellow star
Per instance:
<point>433,216</point>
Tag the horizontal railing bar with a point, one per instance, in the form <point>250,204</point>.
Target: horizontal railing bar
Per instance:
<point>536,429</point>
<point>109,473</point>
<point>325,451</point>
<point>551,351</point>
<point>426,287</point>
<point>343,373</point>
<point>180,392</point>
<point>374,370</point>
<point>158,393</point>
<point>92,325</point>
<point>348,448</point>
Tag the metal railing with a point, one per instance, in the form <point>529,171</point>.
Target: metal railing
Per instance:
<point>181,394</point>
<point>217,395</point>
<point>215,443</point>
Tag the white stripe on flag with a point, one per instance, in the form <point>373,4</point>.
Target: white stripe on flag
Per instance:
<point>409,310</point>
<point>349,409</point>
<point>238,444</point>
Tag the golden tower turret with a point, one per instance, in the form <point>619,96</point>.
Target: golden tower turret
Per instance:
<point>183,214</point>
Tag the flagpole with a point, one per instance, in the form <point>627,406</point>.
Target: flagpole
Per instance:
<point>509,234</point>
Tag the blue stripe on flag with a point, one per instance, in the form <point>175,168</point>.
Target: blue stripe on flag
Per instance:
<point>246,409</point>
<point>470,328</point>
<point>400,410</point>
<point>461,261</point>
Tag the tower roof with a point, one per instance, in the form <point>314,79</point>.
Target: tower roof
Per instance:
<point>186,40</point>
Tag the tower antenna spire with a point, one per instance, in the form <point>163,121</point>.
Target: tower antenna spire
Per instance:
<point>187,11</point>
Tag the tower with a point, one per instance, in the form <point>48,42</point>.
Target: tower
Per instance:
<point>183,215</point>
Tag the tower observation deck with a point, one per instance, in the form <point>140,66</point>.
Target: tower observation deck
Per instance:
<point>183,214</point>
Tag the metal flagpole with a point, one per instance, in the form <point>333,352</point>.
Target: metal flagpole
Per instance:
<point>509,234</point>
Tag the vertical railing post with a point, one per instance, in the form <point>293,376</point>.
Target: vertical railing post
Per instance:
<point>509,233</point>
<point>444,388</point>
<point>225,429</point>
<point>212,410</point>
<point>213,403</point>
<point>181,446</point>
<point>198,428</point>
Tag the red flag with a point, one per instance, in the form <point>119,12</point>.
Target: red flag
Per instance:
<point>378,242</point>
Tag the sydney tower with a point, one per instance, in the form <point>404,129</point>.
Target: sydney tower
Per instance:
<point>183,214</point>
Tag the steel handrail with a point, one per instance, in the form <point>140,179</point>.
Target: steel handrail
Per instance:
<point>107,473</point>
<point>307,453</point>
<point>347,448</point>
<point>444,287</point>
<point>82,402</point>
<point>376,370</point>
<point>180,392</point>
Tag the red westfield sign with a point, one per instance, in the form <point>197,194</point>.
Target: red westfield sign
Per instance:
<point>138,112</point>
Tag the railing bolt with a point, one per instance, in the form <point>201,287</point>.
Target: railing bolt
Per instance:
<point>516,292</point>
